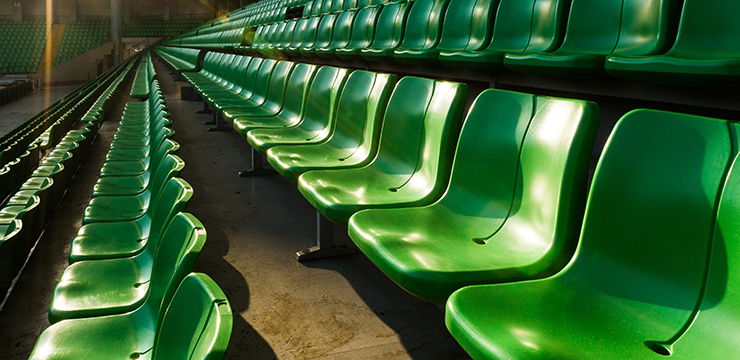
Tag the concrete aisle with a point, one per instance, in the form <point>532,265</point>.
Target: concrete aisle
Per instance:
<point>15,113</point>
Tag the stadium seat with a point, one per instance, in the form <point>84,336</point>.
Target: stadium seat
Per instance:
<point>704,54</point>
<point>531,26</point>
<point>414,157</point>
<point>318,118</point>
<point>361,37</point>
<point>597,29</point>
<point>642,270</point>
<point>342,31</point>
<point>195,324</point>
<point>388,32</point>
<point>115,286</point>
<point>465,25</point>
<point>324,34</point>
<point>475,234</point>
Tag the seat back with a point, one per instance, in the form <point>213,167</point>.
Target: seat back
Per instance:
<point>197,323</point>
<point>342,29</point>
<point>262,81</point>
<point>168,168</point>
<point>336,6</point>
<point>363,28</point>
<point>278,82</point>
<point>424,24</point>
<point>307,7</point>
<point>288,33</point>
<point>359,115</point>
<point>175,196</point>
<point>240,71</point>
<point>708,30</point>
<point>390,26</point>
<point>324,95</point>
<point>309,33</point>
<point>297,40</point>
<point>296,91</point>
<point>417,139</point>
<point>528,26</point>
<point>467,25</point>
<point>325,31</point>
<point>629,27</point>
<point>651,214</point>
<point>176,253</point>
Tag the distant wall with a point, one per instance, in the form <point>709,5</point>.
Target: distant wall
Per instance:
<point>75,71</point>
<point>71,10</point>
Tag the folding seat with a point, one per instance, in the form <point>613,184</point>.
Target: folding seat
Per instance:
<point>424,26</point>
<point>509,143</point>
<point>704,53</point>
<point>195,324</point>
<point>414,155</point>
<point>342,30</point>
<point>318,118</point>
<point>597,29</point>
<point>267,95</point>
<point>324,34</point>
<point>652,275</point>
<point>388,32</point>
<point>115,286</point>
<point>363,29</point>
<point>108,240</point>
<point>354,140</point>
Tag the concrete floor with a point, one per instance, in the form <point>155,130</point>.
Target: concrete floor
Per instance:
<point>340,308</point>
<point>15,113</point>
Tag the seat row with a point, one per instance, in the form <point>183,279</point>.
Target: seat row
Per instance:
<point>57,120</point>
<point>181,59</point>
<point>667,41</point>
<point>454,218</point>
<point>144,75</point>
<point>128,281</point>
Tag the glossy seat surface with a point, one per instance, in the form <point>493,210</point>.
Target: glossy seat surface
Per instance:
<point>513,208</point>
<point>318,119</point>
<point>388,32</point>
<point>363,30</point>
<point>197,325</point>
<point>354,141</point>
<point>466,27</point>
<point>531,26</point>
<point>342,31</point>
<point>268,98</point>
<point>704,53</point>
<point>641,265</point>
<point>596,29</point>
<point>114,286</point>
<point>420,127</point>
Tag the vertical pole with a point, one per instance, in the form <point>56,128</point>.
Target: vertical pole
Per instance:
<point>115,29</point>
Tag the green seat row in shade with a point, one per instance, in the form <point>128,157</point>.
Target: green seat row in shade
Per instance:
<point>144,75</point>
<point>655,273</point>
<point>181,59</point>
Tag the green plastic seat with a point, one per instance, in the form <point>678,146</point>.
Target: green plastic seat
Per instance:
<point>109,240</point>
<point>131,207</point>
<point>532,26</point>
<point>597,29</point>
<point>268,95</point>
<point>287,36</point>
<point>414,157</point>
<point>197,325</point>
<point>293,106</point>
<point>297,41</point>
<point>318,118</point>
<point>249,85</point>
<point>309,36</point>
<point>324,34</point>
<point>639,275</point>
<point>354,141</point>
<point>424,27</point>
<point>703,55</point>
<point>363,30</point>
<point>134,162</point>
<point>510,142</point>
<point>115,286</point>
<point>389,30</point>
<point>342,30</point>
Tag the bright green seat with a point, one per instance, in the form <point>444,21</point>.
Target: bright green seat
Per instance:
<point>318,116</point>
<point>287,36</point>
<point>520,27</point>
<point>424,27</point>
<point>640,270</point>
<point>293,104</point>
<point>509,144</point>
<point>597,29</point>
<point>414,156</point>
<point>115,286</point>
<point>196,325</point>
<point>131,207</point>
<point>108,240</point>
<point>342,30</point>
<point>324,34</point>
<point>267,97</point>
<point>309,36</point>
<point>354,141</point>
<point>296,42</point>
<point>363,30</point>
<point>247,86</point>
<point>134,162</point>
<point>704,54</point>
<point>388,32</point>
